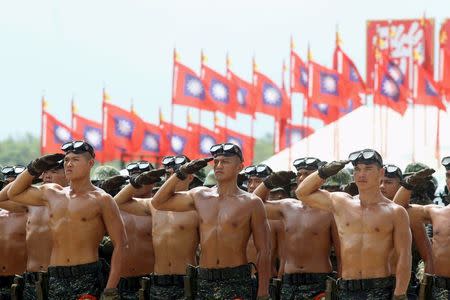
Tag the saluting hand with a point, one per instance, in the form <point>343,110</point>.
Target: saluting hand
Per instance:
<point>417,179</point>
<point>279,179</point>
<point>192,167</point>
<point>44,163</point>
<point>331,168</point>
<point>146,178</point>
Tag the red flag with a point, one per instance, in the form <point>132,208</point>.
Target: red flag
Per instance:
<point>344,65</point>
<point>390,89</point>
<point>204,139</point>
<point>122,131</point>
<point>271,99</point>
<point>54,134</point>
<point>426,90</point>
<point>244,94</point>
<point>291,134</point>
<point>245,142</point>
<point>180,141</point>
<point>299,74</point>
<point>444,55</point>
<point>188,88</point>
<point>219,91</point>
<point>326,113</point>
<point>89,131</point>
<point>153,141</point>
<point>327,86</point>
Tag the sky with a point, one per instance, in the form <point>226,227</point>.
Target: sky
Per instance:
<point>67,50</point>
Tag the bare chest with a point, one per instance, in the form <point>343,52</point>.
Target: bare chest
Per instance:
<point>224,214</point>
<point>73,208</point>
<point>440,219</point>
<point>163,221</point>
<point>302,219</point>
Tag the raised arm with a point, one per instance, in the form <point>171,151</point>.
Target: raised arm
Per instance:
<point>115,227</point>
<point>261,238</point>
<point>403,195</point>
<point>402,244</point>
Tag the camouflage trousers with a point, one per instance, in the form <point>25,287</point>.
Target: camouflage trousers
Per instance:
<point>366,289</point>
<point>71,282</point>
<point>129,288</point>
<point>5,287</point>
<point>303,286</point>
<point>441,290</point>
<point>32,284</point>
<point>167,287</point>
<point>226,283</point>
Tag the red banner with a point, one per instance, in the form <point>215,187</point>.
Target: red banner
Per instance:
<point>245,142</point>
<point>89,131</point>
<point>426,90</point>
<point>444,57</point>
<point>244,94</point>
<point>290,134</point>
<point>54,134</point>
<point>400,39</point>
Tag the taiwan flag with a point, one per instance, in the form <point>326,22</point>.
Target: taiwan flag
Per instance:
<point>188,89</point>
<point>243,94</point>
<point>89,131</point>
<point>245,142</point>
<point>204,139</point>
<point>54,134</point>
<point>426,90</point>
<point>326,113</point>
<point>180,141</point>
<point>389,89</point>
<point>291,134</point>
<point>122,131</point>
<point>271,99</point>
<point>219,91</point>
<point>327,86</point>
<point>345,66</point>
<point>299,75</point>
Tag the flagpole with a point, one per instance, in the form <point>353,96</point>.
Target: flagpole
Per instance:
<point>42,123</point>
<point>412,77</point>
<point>310,88</point>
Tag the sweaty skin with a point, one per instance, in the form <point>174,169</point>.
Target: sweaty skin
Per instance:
<point>13,256</point>
<point>303,226</point>
<point>174,234</point>
<point>439,217</point>
<point>80,214</point>
<point>369,226</point>
<point>227,216</point>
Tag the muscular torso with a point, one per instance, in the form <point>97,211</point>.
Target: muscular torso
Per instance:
<point>12,243</point>
<point>139,258</point>
<point>276,233</point>
<point>175,240</point>
<point>366,237</point>
<point>225,227</point>
<point>440,218</point>
<point>307,238</point>
<point>76,225</point>
<point>39,239</point>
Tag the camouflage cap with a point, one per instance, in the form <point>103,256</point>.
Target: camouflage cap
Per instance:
<point>342,177</point>
<point>413,168</point>
<point>104,172</point>
<point>210,179</point>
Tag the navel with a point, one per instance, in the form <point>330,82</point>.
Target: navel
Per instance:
<point>234,224</point>
<point>181,227</point>
<point>170,264</point>
<point>377,229</point>
<point>347,224</point>
<point>68,260</point>
<point>218,261</point>
<point>83,219</point>
<point>51,215</point>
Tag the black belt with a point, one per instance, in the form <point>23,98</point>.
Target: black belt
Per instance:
<point>74,271</point>
<point>240,272</point>
<point>6,281</point>
<point>130,283</point>
<point>305,278</point>
<point>365,284</point>
<point>167,280</point>
<point>31,277</point>
<point>442,282</point>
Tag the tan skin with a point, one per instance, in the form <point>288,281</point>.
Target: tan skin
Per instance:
<point>389,187</point>
<point>55,176</point>
<point>80,214</point>
<point>175,234</point>
<point>369,226</point>
<point>439,217</point>
<point>228,216</point>
<point>303,226</point>
<point>13,256</point>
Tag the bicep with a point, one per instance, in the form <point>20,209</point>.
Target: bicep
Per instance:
<point>319,199</point>
<point>13,207</point>
<point>260,226</point>
<point>402,232</point>
<point>180,201</point>
<point>273,210</point>
<point>113,221</point>
<point>33,196</point>
<point>136,207</point>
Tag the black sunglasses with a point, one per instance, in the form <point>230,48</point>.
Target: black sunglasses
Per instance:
<point>366,155</point>
<point>260,170</point>
<point>12,171</point>
<point>307,163</point>
<point>226,149</point>
<point>446,162</point>
<point>174,161</point>
<point>78,147</point>
<point>392,171</point>
<point>140,166</point>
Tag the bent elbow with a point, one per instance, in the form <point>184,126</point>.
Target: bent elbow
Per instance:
<point>302,193</point>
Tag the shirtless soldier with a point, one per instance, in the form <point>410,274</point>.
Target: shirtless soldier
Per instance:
<point>439,217</point>
<point>255,175</point>
<point>79,216</point>
<point>308,239</point>
<point>38,237</point>
<point>139,259</point>
<point>369,227</point>
<point>12,246</point>
<point>175,234</point>
<point>228,216</point>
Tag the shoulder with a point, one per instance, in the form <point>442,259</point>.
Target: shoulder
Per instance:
<point>49,187</point>
<point>198,190</point>
<point>341,195</point>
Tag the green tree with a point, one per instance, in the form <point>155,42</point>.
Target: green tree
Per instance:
<point>19,151</point>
